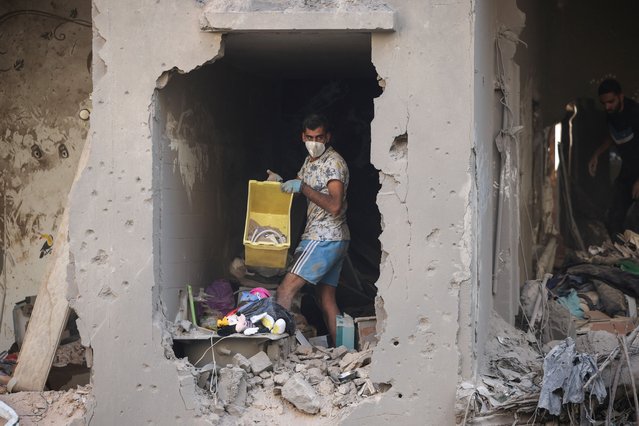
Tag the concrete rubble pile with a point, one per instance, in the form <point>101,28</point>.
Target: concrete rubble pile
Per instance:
<point>510,379</point>
<point>577,355</point>
<point>71,407</point>
<point>313,380</point>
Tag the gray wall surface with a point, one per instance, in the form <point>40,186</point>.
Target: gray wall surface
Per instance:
<point>426,201</point>
<point>44,84</point>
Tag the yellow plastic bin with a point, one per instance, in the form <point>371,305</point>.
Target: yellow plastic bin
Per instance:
<point>270,209</point>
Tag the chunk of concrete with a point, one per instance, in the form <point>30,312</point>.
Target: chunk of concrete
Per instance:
<point>302,395</point>
<point>265,375</point>
<point>348,359</point>
<point>260,362</point>
<point>304,350</point>
<point>314,375</point>
<point>281,378</point>
<point>339,352</point>
<point>231,388</point>
<point>240,360</point>
<point>317,363</point>
<point>596,342</point>
<point>351,361</point>
<point>268,383</point>
<point>362,372</point>
<point>326,387</point>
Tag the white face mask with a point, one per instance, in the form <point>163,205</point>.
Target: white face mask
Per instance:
<point>315,149</point>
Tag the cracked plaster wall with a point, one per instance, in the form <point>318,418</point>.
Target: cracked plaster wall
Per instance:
<point>111,222</point>
<point>44,87</point>
<point>425,201</point>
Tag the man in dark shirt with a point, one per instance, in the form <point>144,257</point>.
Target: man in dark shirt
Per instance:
<point>623,133</point>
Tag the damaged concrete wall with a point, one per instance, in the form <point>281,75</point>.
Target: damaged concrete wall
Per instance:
<point>112,218</point>
<point>422,142</point>
<point>45,84</point>
<point>424,299</point>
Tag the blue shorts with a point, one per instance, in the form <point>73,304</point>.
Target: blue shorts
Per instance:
<point>319,261</point>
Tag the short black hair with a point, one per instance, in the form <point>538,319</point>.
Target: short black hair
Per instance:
<point>609,85</point>
<point>315,121</point>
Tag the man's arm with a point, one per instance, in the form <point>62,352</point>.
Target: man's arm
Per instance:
<point>331,202</point>
<point>592,164</point>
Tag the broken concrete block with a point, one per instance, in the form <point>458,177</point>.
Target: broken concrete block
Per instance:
<point>596,342</point>
<point>369,388</point>
<point>326,387</point>
<point>348,359</point>
<point>314,375</point>
<point>304,350</point>
<point>259,400</point>
<point>299,368</point>
<point>240,360</point>
<point>317,363</point>
<point>234,410</point>
<point>302,395</point>
<point>260,362</point>
<point>265,375</point>
<point>344,400</point>
<point>268,383</point>
<point>187,390</point>
<point>362,373</point>
<point>254,381</point>
<point>339,352</point>
<point>344,389</point>
<point>334,372</point>
<point>358,359</point>
<point>281,378</point>
<point>231,388</point>
<point>293,358</point>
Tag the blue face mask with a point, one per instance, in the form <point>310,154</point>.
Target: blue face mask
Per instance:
<point>315,149</point>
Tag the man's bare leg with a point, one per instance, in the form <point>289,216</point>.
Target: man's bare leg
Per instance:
<point>326,295</point>
<point>288,288</point>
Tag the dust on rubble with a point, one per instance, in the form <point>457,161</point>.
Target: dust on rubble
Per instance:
<point>73,407</point>
<point>314,385</point>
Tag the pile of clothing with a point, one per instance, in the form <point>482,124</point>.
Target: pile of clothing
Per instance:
<point>594,287</point>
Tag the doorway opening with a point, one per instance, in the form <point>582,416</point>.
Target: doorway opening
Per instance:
<point>229,121</point>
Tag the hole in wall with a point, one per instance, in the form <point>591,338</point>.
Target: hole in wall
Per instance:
<point>72,362</point>
<point>399,147</point>
<point>229,121</point>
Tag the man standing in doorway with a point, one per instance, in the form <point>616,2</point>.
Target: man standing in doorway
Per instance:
<point>623,132</point>
<point>318,259</point>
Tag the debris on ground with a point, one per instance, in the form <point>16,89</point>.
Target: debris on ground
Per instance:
<point>584,319</point>
<point>70,353</point>
<point>567,371</point>
<point>72,407</point>
<point>318,382</point>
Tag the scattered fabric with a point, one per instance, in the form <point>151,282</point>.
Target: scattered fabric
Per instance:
<point>615,277</point>
<point>565,373</point>
<point>572,303</point>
